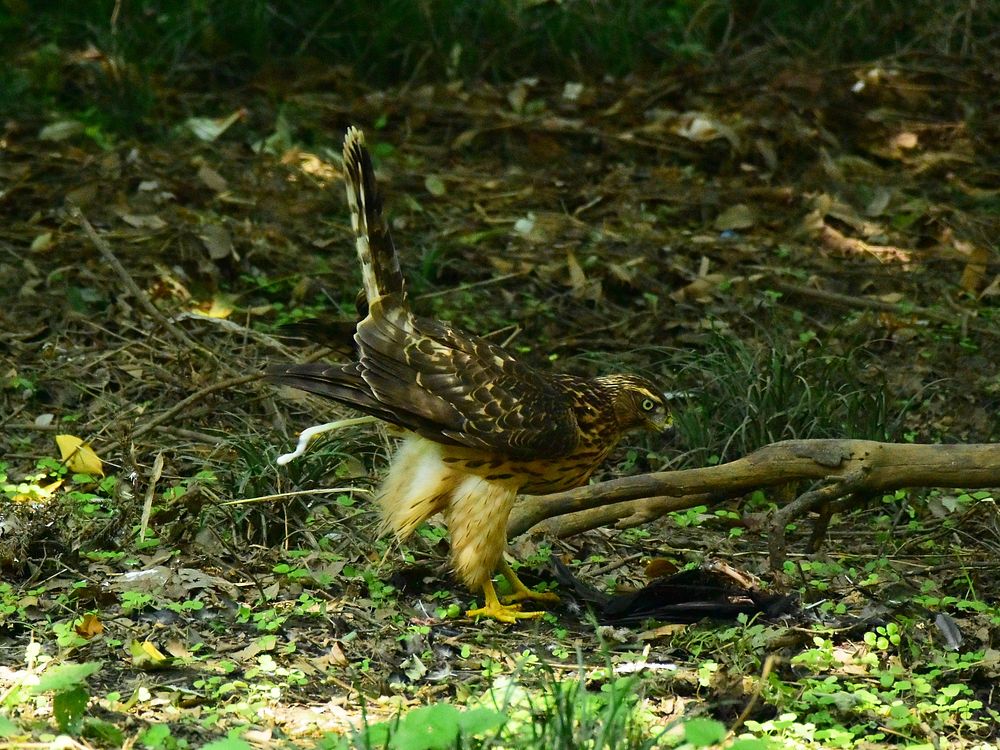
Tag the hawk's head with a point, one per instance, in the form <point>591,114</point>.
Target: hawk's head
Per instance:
<point>638,403</point>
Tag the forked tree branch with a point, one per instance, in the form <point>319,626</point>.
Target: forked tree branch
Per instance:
<point>844,468</point>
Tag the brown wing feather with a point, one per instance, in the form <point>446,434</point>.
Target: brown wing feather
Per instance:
<point>344,384</point>
<point>473,391</point>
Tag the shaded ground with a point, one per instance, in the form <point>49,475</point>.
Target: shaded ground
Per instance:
<point>824,214</point>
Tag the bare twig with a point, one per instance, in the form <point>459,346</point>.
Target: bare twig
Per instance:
<point>147,506</point>
<point>473,285</point>
<point>201,437</point>
<point>298,493</point>
<point>837,488</point>
<point>233,327</point>
<point>126,278</point>
<point>21,426</point>
<point>853,302</point>
<point>196,396</point>
<point>623,515</point>
<point>136,291</point>
<point>769,661</point>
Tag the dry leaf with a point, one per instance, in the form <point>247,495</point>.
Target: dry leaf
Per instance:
<point>217,241</point>
<point>435,185</point>
<point>464,138</point>
<point>993,290</point>
<point>178,649</point>
<point>577,278</point>
<point>220,307</point>
<point>209,128</point>
<point>572,90</point>
<point>836,241</point>
<point>904,140</point>
<point>974,273</point>
<point>892,298</point>
<point>664,631</point>
<point>518,96</point>
<point>89,626</point>
<point>60,131</point>
<point>739,216</point>
<point>143,221</point>
<point>660,567</point>
<point>879,202</point>
<point>701,289</point>
<point>82,196</point>
<point>990,661</point>
<point>79,456</point>
<point>701,128</point>
<point>766,150</point>
<point>525,225</point>
<point>335,657</point>
<point>42,242</point>
<point>212,179</point>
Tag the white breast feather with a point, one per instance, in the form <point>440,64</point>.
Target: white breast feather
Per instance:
<point>416,487</point>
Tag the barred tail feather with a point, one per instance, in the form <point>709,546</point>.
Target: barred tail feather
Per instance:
<point>379,264</point>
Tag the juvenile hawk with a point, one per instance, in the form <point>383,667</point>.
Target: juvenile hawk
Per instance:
<point>481,425</point>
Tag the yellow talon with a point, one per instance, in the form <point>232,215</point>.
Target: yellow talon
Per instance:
<point>520,591</point>
<point>502,612</point>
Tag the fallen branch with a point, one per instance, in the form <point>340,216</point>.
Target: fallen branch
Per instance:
<point>853,302</point>
<point>622,515</point>
<point>844,468</point>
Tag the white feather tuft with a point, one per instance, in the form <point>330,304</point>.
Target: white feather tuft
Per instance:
<point>416,487</point>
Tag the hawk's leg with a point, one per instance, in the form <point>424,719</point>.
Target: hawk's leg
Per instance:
<point>503,612</point>
<point>519,591</point>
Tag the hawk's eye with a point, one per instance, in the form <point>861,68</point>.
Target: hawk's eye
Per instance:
<point>648,405</point>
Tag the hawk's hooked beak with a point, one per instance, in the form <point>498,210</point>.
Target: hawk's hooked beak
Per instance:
<point>664,426</point>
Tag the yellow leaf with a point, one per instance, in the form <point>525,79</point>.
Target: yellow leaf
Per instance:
<point>152,651</point>
<point>79,456</point>
<point>147,656</point>
<point>219,307</point>
<point>36,492</point>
